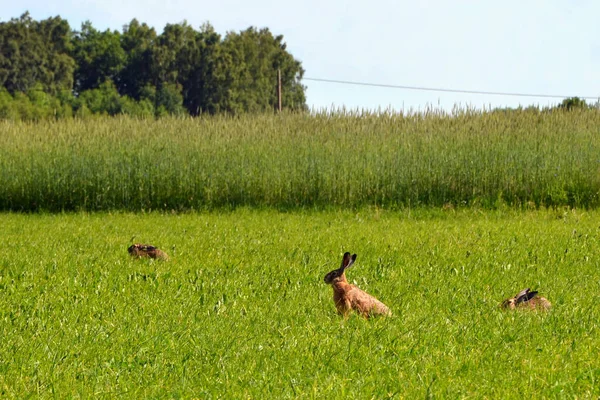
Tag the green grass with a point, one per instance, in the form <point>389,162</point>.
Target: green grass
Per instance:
<point>241,310</point>
<point>296,161</point>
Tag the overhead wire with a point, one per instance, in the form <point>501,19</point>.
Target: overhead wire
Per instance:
<point>556,96</point>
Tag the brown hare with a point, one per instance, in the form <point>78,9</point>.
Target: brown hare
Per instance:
<point>528,300</point>
<point>348,297</point>
<point>147,251</point>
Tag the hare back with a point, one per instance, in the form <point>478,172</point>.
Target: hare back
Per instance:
<point>537,303</point>
<point>161,255</point>
<point>365,304</point>
<point>150,253</point>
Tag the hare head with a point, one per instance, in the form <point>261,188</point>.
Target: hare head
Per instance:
<point>137,248</point>
<point>338,275</point>
<point>521,297</point>
<point>147,251</point>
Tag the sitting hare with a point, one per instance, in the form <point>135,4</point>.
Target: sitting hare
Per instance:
<point>348,297</point>
<point>148,251</point>
<point>528,300</point>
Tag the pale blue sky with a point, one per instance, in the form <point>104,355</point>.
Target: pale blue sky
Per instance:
<point>523,46</point>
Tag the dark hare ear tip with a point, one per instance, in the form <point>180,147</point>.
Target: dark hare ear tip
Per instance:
<point>345,259</point>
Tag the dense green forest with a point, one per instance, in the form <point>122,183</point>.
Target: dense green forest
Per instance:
<point>47,69</point>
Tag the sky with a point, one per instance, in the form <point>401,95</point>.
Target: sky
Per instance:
<point>549,47</point>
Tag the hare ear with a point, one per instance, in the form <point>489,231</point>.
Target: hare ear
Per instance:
<point>525,295</point>
<point>351,261</point>
<point>345,260</point>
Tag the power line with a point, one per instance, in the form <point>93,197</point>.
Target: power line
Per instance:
<point>447,90</point>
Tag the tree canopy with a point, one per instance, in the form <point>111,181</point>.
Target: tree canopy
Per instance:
<point>136,70</point>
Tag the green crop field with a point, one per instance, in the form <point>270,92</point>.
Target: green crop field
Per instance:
<point>449,215</point>
<point>523,158</point>
<point>241,309</point>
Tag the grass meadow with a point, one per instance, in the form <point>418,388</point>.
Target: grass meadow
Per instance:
<point>523,158</point>
<point>241,309</point>
<point>449,215</point>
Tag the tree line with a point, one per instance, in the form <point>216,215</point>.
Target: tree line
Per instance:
<point>49,70</point>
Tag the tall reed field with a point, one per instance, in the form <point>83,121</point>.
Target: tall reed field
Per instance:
<point>328,159</point>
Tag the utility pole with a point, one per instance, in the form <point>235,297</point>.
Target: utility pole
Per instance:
<point>279,89</point>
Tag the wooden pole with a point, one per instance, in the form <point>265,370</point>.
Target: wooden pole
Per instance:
<point>279,89</point>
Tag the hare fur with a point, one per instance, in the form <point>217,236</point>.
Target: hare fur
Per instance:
<point>147,251</point>
<point>348,297</point>
<point>526,299</point>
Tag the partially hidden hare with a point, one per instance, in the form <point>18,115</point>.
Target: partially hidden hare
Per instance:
<point>528,300</point>
<point>348,297</point>
<point>147,251</point>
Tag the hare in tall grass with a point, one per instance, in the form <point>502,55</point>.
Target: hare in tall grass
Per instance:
<point>348,297</point>
<point>528,300</point>
<point>147,251</point>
